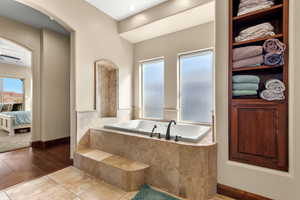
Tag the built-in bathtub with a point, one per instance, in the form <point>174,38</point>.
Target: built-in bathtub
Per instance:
<point>187,168</point>
<point>185,132</point>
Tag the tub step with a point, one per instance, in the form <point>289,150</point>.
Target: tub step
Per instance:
<point>126,174</point>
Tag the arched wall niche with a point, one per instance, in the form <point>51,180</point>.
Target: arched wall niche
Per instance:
<point>106,88</point>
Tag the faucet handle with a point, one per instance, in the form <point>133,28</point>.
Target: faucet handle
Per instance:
<point>177,137</point>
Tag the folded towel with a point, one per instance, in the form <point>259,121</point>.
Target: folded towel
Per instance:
<point>245,79</point>
<point>245,86</point>
<point>244,92</point>
<point>275,85</point>
<point>251,6</point>
<point>249,62</point>
<point>272,95</point>
<point>247,52</point>
<point>254,32</point>
<point>274,59</point>
<point>274,46</point>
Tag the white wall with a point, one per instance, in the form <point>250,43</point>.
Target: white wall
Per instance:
<point>169,46</point>
<point>270,183</point>
<point>21,72</point>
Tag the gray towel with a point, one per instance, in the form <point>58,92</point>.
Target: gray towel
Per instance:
<point>247,52</point>
<point>245,86</point>
<point>249,62</point>
<point>244,92</point>
<point>245,79</point>
<point>274,59</point>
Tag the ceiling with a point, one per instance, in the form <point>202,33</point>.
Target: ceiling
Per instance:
<point>24,14</point>
<point>199,15</point>
<point>121,9</point>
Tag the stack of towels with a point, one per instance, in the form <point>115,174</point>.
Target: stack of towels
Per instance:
<point>258,31</point>
<point>249,56</point>
<point>247,6</point>
<point>274,90</point>
<point>271,53</point>
<point>245,85</point>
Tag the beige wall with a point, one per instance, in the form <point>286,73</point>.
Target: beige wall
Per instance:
<point>14,71</point>
<point>50,77</point>
<point>28,37</point>
<point>270,183</point>
<point>94,36</point>
<point>169,46</point>
<point>55,76</point>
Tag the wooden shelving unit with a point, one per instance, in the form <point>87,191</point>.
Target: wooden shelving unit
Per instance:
<point>258,129</point>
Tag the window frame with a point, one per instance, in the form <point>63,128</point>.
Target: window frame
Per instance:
<point>179,90</point>
<point>141,80</point>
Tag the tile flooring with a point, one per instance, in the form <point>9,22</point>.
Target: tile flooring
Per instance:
<point>69,184</point>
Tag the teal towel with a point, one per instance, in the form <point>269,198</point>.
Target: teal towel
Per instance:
<point>147,193</point>
<point>245,79</point>
<point>245,86</point>
<point>244,92</point>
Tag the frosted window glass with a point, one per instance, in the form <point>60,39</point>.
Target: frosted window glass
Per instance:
<point>153,89</point>
<point>196,85</point>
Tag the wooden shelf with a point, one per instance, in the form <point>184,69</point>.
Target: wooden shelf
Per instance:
<point>259,13</point>
<point>255,101</point>
<point>258,40</point>
<point>256,68</point>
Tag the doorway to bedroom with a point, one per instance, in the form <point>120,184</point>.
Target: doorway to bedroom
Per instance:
<point>15,96</point>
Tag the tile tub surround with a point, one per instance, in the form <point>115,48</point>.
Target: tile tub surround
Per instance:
<point>70,183</point>
<point>183,169</point>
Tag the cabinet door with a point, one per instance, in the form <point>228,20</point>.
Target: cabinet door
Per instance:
<point>259,135</point>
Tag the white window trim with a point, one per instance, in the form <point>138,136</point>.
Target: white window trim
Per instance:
<point>141,85</point>
<point>179,119</point>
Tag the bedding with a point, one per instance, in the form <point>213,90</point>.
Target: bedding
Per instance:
<point>21,117</point>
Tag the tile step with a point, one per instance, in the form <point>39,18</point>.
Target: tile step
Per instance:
<point>116,170</point>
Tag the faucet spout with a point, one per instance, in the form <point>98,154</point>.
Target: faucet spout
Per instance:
<point>168,134</point>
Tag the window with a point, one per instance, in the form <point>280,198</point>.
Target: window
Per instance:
<point>11,90</point>
<point>196,86</point>
<point>153,88</point>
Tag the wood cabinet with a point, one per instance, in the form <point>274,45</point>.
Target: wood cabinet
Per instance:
<point>258,133</point>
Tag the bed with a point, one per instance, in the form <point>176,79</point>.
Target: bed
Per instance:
<point>11,121</point>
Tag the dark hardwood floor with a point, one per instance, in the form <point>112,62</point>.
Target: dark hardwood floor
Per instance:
<point>29,163</point>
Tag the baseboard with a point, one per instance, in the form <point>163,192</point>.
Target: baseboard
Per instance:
<point>238,194</point>
<point>50,143</point>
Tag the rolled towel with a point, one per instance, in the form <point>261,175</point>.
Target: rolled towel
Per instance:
<point>275,85</point>
<point>272,95</point>
<point>245,86</point>
<point>247,52</point>
<point>245,79</point>
<point>274,59</point>
<point>249,62</point>
<point>274,46</point>
<point>244,92</point>
<point>253,32</point>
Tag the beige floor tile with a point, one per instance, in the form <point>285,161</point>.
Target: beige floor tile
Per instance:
<point>220,197</point>
<point>102,191</point>
<point>3,196</point>
<point>129,195</point>
<point>73,179</point>
<point>42,188</point>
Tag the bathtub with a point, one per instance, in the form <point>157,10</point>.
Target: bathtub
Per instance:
<point>187,133</point>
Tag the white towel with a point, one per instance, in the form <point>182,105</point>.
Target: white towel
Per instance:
<point>248,6</point>
<point>254,32</point>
